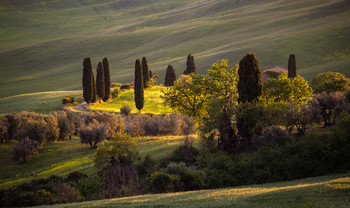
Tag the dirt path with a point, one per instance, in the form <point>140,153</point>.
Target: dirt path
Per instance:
<point>81,107</point>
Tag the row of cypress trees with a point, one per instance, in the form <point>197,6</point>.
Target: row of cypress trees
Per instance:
<point>99,89</point>
<point>170,76</point>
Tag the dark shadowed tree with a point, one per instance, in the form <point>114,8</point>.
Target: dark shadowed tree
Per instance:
<point>87,80</point>
<point>24,149</point>
<point>100,81</point>
<point>292,66</point>
<point>138,85</point>
<point>107,77</point>
<point>170,76</point>
<point>94,91</point>
<point>190,65</point>
<point>249,84</point>
<point>145,72</point>
<point>150,75</point>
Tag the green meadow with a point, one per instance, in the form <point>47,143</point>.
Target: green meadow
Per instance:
<point>43,43</point>
<point>63,157</point>
<point>154,104</point>
<point>320,192</point>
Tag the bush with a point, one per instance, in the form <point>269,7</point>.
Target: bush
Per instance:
<point>4,125</point>
<point>65,126</point>
<point>76,176</point>
<point>24,148</point>
<point>127,86</point>
<point>115,93</point>
<point>67,99</point>
<point>121,180</point>
<point>126,110</point>
<point>185,153</point>
<point>147,167</point>
<point>161,182</point>
<point>64,193</point>
<point>90,187</point>
<point>114,123</point>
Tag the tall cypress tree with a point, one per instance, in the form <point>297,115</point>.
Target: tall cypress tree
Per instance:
<point>249,84</point>
<point>145,72</point>
<point>100,81</point>
<point>190,65</point>
<point>150,75</point>
<point>170,76</point>
<point>107,78</point>
<point>87,80</point>
<point>292,66</point>
<point>138,85</point>
<point>94,93</point>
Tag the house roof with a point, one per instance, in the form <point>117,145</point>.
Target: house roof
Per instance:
<point>264,75</point>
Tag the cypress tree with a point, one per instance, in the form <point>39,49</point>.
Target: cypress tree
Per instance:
<point>138,85</point>
<point>150,75</point>
<point>94,93</point>
<point>87,80</point>
<point>292,66</point>
<point>145,72</point>
<point>190,65</point>
<point>100,81</point>
<point>107,78</point>
<point>249,84</point>
<point>170,76</point>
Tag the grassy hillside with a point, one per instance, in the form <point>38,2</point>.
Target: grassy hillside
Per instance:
<point>327,191</point>
<point>43,43</point>
<point>41,102</point>
<point>61,158</point>
<point>153,102</point>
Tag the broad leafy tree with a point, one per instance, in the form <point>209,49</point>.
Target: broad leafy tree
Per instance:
<point>329,82</point>
<point>24,148</point>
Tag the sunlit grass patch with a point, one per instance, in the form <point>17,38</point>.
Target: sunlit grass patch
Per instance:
<point>153,103</point>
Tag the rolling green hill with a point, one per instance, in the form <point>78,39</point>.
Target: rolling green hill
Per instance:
<point>326,191</point>
<point>43,42</point>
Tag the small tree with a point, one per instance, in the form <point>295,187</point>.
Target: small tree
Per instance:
<point>100,81</point>
<point>329,82</point>
<point>190,65</point>
<point>327,104</point>
<point>15,122</point>
<point>292,66</point>
<point>138,87</point>
<point>170,76</point>
<point>120,149</point>
<point>249,84</point>
<point>66,127</point>
<point>145,72</point>
<point>87,80</point>
<point>24,148</point>
<point>93,133</point>
<point>107,78</point>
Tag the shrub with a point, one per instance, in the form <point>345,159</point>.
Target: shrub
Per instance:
<point>24,148</point>
<point>115,93</point>
<point>147,166</point>
<point>161,182</point>
<point>75,176</point>
<point>185,153</point>
<point>93,133</point>
<point>127,86</point>
<point>113,123</point>
<point>64,193</point>
<point>121,180</point>
<point>4,125</point>
<point>90,187</point>
<point>329,82</point>
<point>67,99</point>
<point>126,110</point>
